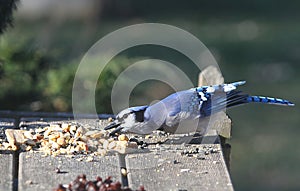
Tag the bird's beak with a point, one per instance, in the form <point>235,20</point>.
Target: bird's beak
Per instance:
<point>112,125</point>
<point>117,130</point>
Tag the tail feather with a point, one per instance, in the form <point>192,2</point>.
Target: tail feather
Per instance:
<point>230,99</point>
<point>220,101</point>
<point>234,98</point>
<point>269,100</point>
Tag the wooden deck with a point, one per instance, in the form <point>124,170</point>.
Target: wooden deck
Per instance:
<point>162,167</point>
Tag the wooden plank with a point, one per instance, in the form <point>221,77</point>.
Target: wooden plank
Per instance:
<point>39,173</point>
<point>6,158</point>
<point>19,114</point>
<point>6,169</point>
<point>167,169</point>
<point>33,122</point>
<point>7,123</point>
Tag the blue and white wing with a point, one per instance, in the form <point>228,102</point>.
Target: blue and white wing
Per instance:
<point>224,96</point>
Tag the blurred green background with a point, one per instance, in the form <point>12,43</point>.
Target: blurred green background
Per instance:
<point>257,41</point>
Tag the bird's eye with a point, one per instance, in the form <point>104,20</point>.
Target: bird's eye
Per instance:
<point>125,115</point>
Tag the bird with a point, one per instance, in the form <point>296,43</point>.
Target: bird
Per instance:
<point>185,111</point>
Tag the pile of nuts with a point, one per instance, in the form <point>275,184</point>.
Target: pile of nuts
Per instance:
<point>82,184</point>
<point>66,138</point>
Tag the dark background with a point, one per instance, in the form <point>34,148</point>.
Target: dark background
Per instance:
<point>257,41</point>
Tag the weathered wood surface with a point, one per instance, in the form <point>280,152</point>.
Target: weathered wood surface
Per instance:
<point>6,158</point>
<point>6,169</point>
<point>39,173</point>
<point>162,167</point>
<point>40,115</point>
<point>7,123</point>
<point>167,169</point>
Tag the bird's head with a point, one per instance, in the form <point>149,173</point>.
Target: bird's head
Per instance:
<point>128,120</point>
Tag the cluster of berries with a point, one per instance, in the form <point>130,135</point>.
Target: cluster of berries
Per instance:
<point>82,184</point>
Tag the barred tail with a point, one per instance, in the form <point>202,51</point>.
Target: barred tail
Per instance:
<point>234,98</point>
<point>268,100</point>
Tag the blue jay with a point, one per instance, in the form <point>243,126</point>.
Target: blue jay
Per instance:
<point>188,107</point>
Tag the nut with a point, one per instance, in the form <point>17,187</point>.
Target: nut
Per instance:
<point>82,146</point>
<point>123,137</point>
<point>112,145</point>
<point>28,135</point>
<point>124,171</point>
<point>10,136</point>
<point>105,144</point>
<point>73,129</point>
<point>65,127</point>
<point>96,135</point>
<point>89,159</point>
<point>38,137</point>
<point>61,141</point>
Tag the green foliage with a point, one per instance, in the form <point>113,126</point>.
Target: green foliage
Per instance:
<point>106,82</point>
<point>20,66</point>
<point>27,76</point>
<point>31,79</point>
<point>6,11</point>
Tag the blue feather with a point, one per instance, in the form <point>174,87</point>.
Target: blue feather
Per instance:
<point>269,100</point>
